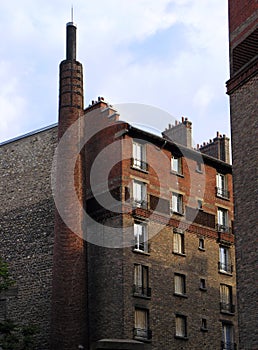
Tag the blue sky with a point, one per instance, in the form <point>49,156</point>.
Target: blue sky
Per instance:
<point>171,54</point>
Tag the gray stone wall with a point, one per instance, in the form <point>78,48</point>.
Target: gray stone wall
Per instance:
<point>243,103</point>
<point>27,227</point>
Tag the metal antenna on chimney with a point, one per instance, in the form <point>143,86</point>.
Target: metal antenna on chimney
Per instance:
<point>72,13</point>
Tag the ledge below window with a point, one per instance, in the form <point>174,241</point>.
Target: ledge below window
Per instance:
<point>176,173</point>
<point>180,295</point>
<point>180,254</point>
<point>141,252</point>
<point>181,337</point>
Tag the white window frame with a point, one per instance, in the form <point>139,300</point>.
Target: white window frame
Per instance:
<point>226,297</point>
<point>222,219</point>
<point>178,243</point>
<point>225,259</point>
<point>180,284</point>
<point>139,155</point>
<point>141,323</point>
<point>227,336</point>
<point>222,185</point>
<point>177,203</point>
<point>176,165</point>
<point>139,193</point>
<point>141,279</point>
<point>140,237</point>
<point>181,326</point>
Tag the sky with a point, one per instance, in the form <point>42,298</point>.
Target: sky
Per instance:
<point>170,54</point>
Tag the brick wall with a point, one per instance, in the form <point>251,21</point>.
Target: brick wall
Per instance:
<point>243,104</point>
<point>27,227</point>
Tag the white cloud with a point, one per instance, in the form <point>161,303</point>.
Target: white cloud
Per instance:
<point>189,81</point>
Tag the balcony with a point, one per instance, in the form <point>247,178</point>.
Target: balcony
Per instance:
<point>228,346</point>
<point>223,228</point>
<point>142,334</point>
<point>140,203</point>
<point>227,308</point>
<point>222,192</point>
<point>139,164</point>
<point>141,291</point>
<point>223,267</point>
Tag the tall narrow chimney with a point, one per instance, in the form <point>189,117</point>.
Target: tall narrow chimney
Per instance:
<point>69,297</point>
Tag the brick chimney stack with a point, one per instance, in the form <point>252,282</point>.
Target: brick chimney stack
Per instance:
<point>180,133</point>
<point>217,148</point>
<point>69,297</point>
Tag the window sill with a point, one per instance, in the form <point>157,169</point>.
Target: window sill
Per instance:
<point>224,198</point>
<point>225,273</point>
<point>180,254</point>
<point>144,340</point>
<point>142,296</point>
<point>204,329</point>
<point>139,169</point>
<point>141,252</point>
<point>203,289</point>
<point>198,171</point>
<point>180,295</point>
<point>176,173</point>
<point>201,249</point>
<point>225,312</point>
<point>181,337</point>
<point>176,213</point>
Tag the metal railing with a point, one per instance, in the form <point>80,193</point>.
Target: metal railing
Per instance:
<point>228,346</point>
<point>223,228</point>
<point>227,307</point>
<point>142,290</point>
<point>139,164</point>
<point>142,333</point>
<point>225,267</point>
<point>222,192</point>
<point>136,203</point>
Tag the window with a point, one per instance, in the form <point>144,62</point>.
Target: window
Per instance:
<point>204,325</point>
<point>139,156</point>
<point>227,336</point>
<point>226,299</point>
<point>139,194</point>
<point>178,243</point>
<point>201,244</point>
<point>222,186</point>
<point>181,326</point>
<point>199,167</point>
<point>180,285</point>
<point>141,324</point>
<point>223,220</point>
<point>177,203</point>
<point>176,164</point>
<point>203,284</point>
<point>140,237</point>
<point>225,261</point>
<point>141,281</point>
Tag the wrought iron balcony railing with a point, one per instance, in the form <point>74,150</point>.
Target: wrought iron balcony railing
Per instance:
<point>142,291</point>
<point>140,203</point>
<point>139,164</point>
<point>223,228</point>
<point>228,346</point>
<point>142,333</point>
<point>227,307</point>
<point>222,192</point>
<point>225,267</point>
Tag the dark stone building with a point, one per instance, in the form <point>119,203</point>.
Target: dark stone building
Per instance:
<point>242,89</point>
<point>118,238</point>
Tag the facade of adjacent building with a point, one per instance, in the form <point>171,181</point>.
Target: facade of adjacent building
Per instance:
<point>242,89</point>
<point>135,250</point>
